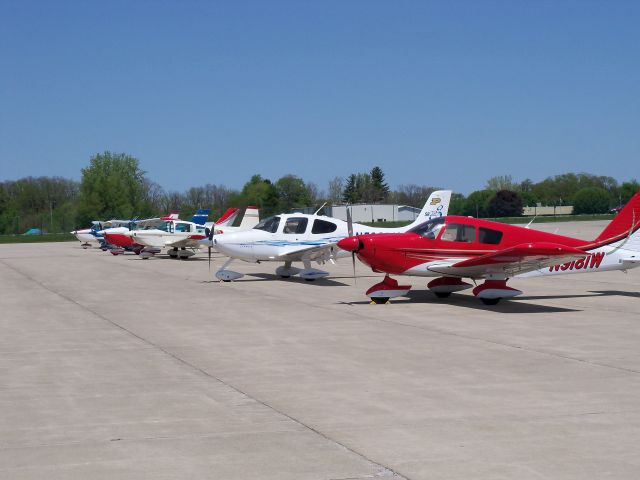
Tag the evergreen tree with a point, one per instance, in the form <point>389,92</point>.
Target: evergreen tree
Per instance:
<point>350,193</point>
<point>378,185</point>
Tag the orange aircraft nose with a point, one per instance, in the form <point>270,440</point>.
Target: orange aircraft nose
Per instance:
<point>350,244</point>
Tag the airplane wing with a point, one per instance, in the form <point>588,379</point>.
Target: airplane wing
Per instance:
<point>313,252</point>
<point>511,261</point>
<point>148,223</point>
<point>190,242</point>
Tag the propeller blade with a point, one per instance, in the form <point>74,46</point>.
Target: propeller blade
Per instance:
<point>210,233</point>
<point>349,223</point>
<point>353,262</point>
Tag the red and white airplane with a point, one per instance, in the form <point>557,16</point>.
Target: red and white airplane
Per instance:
<point>118,240</point>
<point>179,235</point>
<point>452,248</point>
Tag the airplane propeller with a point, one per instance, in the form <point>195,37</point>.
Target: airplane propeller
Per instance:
<point>209,233</point>
<point>353,253</point>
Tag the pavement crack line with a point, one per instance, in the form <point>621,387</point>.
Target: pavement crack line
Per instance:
<point>196,368</point>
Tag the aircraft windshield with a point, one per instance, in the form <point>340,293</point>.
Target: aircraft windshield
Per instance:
<point>430,228</point>
<point>269,224</point>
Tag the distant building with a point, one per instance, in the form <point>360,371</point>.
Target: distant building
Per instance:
<point>366,213</point>
<point>538,210</point>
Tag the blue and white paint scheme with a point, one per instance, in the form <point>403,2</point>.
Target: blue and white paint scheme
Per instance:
<point>95,234</point>
<point>298,237</point>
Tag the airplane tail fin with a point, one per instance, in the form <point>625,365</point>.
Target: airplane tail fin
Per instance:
<point>625,224</point>
<point>437,205</point>
<point>200,217</point>
<point>250,218</point>
<point>228,217</point>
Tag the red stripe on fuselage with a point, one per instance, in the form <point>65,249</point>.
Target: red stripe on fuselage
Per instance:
<point>119,240</point>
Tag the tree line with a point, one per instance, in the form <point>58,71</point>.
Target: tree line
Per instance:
<point>114,186</point>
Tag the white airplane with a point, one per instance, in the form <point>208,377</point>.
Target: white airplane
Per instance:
<point>180,235</point>
<point>118,240</point>
<point>298,237</point>
<point>95,234</point>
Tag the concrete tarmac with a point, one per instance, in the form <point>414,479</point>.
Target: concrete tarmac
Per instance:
<point>117,367</point>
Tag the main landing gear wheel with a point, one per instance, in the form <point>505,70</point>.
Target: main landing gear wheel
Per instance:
<point>442,294</point>
<point>490,301</point>
<point>379,300</point>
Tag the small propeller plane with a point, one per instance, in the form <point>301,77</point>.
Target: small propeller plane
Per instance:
<point>119,241</point>
<point>179,235</point>
<point>95,234</point>
<point>298,237</point>
<point>452,248</point>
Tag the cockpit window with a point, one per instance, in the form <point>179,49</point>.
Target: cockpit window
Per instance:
<point>457,232</point>
<point>490,236</point>
<point>297,225</point>
<point>430,228</point>
<point>322,226</point>
<point>182,227</point>
<point>165,227</point>
<point>269,224</point>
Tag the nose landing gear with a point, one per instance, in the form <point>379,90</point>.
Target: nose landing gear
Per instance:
<point>387,289</point>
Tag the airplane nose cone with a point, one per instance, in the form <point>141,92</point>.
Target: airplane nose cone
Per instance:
<point>350,244</point>
<point>224,243</point>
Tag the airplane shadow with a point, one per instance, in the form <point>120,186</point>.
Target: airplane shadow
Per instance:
<point>591,294</point>
<point>262,277</point>
<point>167,257</point>
<point>466,301</point>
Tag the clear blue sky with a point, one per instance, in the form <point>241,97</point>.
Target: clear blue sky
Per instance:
<point>444,93</point>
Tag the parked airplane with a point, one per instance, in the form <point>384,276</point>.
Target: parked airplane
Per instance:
<point>452,248</point>
<point>298,237</point>
<point>179,235</point>
<point>94,234</point>
<point>119,241</point>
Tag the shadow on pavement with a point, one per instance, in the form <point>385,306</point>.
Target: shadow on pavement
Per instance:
<point>467,301</point>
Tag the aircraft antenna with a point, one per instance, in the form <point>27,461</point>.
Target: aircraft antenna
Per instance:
<point>529,224</point>
<point>320,208</point>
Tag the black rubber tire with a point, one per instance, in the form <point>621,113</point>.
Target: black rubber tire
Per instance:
<point>310,279</point>
<point>285,276</point>
<point>490,301</point>
<point>442,294</point>
<point>379,300</point>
